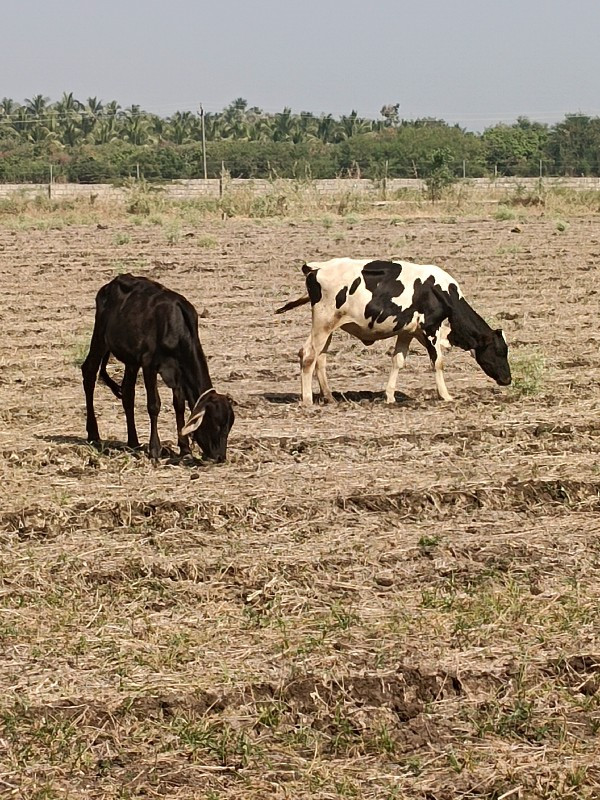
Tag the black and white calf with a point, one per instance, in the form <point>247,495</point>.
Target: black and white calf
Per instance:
<point>375,300</point>
<point>149,327</point>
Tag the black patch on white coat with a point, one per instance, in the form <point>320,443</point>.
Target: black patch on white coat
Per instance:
<point>382,279</point>
<point>313,287</point>
<point>340,297</point>
<point>355,285</point>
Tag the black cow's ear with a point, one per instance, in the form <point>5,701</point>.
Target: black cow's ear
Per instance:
<point>194,421</point>
<point>198,412</point>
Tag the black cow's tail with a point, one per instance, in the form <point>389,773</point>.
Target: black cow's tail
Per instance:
<point>112,385</point>
<point>293,304</point>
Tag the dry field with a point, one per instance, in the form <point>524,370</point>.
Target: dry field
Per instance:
<point>365,601</point>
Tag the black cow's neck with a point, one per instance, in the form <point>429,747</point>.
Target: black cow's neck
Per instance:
<point>196,377</point>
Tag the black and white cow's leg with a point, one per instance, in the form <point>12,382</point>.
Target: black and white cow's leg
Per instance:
<point>320,369</point>
<point>128,399</point>
<point>313,347</point>
<point>433,345</point>
<point>398,361</point>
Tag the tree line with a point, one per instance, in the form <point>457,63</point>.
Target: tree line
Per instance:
<point>93,141</point>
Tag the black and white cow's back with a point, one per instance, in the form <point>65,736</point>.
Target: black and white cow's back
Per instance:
<point>375,299</point>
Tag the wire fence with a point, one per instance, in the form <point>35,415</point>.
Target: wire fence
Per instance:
<point>218,188</point>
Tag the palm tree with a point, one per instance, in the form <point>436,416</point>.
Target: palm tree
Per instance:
<point>237,108</point>
<point>353,125</point>
<point>7,107</point>
<point>36,109</point>
<point>37,134</point>
<point>105,131</point>
<point>181,127</point>
<point>261,129</point>
<point>68,118</point>
<point>37,106</point>
<point>68,104</point>
<point>308,126</point>
<point>285,126</point>
<point>234,121</point>
<point>159,128</point>
<point>327,128</point>
<point>136,126</point>
<point>213,125</point>
<point>90,115</point>
<point>237,128</point>
<point>111,109</point>
<point>70,132</point>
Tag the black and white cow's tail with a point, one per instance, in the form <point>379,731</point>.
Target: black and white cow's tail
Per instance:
<point>301,300</point>
<point>293,304</point>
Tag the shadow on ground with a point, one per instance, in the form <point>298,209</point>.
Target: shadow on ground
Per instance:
<point>289,398</point>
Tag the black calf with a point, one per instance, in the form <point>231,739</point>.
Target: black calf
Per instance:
<point>147,326</point>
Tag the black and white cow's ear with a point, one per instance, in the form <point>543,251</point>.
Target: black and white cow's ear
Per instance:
<point>198,412</point>
<point>500,332</point>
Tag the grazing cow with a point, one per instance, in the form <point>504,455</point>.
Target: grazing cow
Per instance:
<point>380,299</point>
<point>147,326</point>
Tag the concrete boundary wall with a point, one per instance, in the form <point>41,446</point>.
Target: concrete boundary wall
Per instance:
<point>213,187</point>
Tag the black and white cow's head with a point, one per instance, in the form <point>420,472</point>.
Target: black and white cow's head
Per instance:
<point>492,357</point>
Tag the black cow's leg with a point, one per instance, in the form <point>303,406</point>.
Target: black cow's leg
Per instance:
<point>89,371</point>
<point>179,406</point>
<point>128,397</point>
<point>153,405</point>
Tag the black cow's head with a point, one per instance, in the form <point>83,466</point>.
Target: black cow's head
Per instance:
<point>211,420</point>
<point>492,357</point>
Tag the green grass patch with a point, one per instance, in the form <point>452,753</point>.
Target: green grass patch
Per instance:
<point>528,370</point>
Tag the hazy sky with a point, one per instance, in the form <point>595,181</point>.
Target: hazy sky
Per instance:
<point>475,62</point>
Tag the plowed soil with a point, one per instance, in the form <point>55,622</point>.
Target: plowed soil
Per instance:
<point>366,600</point>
